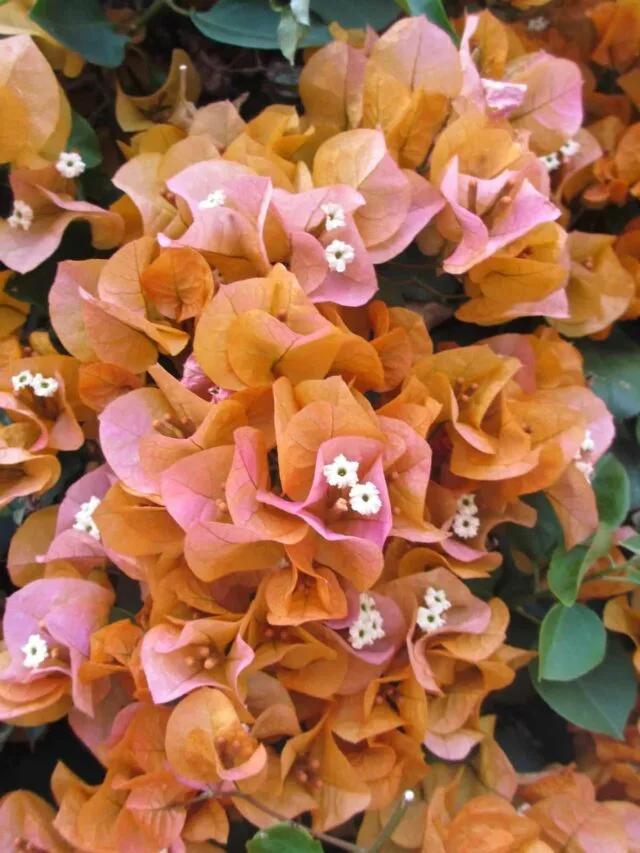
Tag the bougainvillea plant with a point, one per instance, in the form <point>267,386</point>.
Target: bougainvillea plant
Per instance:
<point>319,441</point>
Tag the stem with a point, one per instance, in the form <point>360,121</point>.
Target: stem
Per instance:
<point>175,8</point>
<point>394,821</point>
<point>145,16</point>
<point>321,836</point>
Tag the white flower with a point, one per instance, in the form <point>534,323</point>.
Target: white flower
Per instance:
<point>35,651</point>
<point>466,526</point>
<point>364,498</point>
<point>537,25</point>
<point>588,444</point>
<point>436,600</point>
<point>334,214</point>
<point>551,162</point>
<point>342,472</point>
<point>44,386</point>
<point>22,380</point>
<point>215,199</point>
<point>21,216</point>
<point>429,620</point>
<point>367,603</point>
<point>585,468</point>
<point>338,255</point>
<point>84,517</point>
<point>361,634</point>
<point>70,164</point>
<point>376,622</point>
<point>570,148</point>
<point>467,505</point>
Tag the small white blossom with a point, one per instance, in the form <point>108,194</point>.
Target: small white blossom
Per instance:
<point>364,498</point>
<point>368,627</point>
<point>570,148</point>
<point>342,472</point>
<point>588,444</point>
<point>467,505</point>
<point>70,164</point>
<point>436,600</point>
<point>35,651</point>
<point>339,255</point>
<point>551,162</point>
<point>84,517</point>
<point>585,468</point>
<point>367,603</point>
<point>429,620</point>
<point>537,25</point>
<point>22,380</point>
<point>334,214</point>
<point>466,526</point>
<point>215,199</point>
<point>44,386</point>
<point>21,215</point>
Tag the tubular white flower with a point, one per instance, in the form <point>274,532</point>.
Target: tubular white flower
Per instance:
<point>368,627</point>
<point>376,622</point>
<point>361,634</point>
<point>22,380</point>
<point>364,498</point>
<point>551,162</point>
<point>44,386</point>
<point>367,603</point>
<point>339,255</point>
<point>430,620</point>
<point>466,526</point>
<point>537,25</point>
<point>217,198</point>
<point>84,517</point>
<point>585,468</point>
<point>436,600</point>
<point>588,444</point>
<point>35,651</point>
<point>570,148</point>
<point>70,164</point>
<point>467,505</point>
<point>334,215</point>
<point>21,215</point>
<point>342,472</point>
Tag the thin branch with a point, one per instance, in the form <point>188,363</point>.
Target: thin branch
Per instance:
<point>393,823</point>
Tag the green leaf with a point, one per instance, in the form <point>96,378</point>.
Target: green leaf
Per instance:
<point>632,543</point>
<point>249,23</point>
<point>612,490</point>
<point>614,365</point>
<point>568,568</point>
<point>537,542</point>
<point>83,139</point>
<point>290,34</point>
<point>434,11</point>
<point>572,642</point>
<point>283,838</point>
<point>377,14</point>
<point>626,450</point>
<point>599,701</point>
<point>82,26</point>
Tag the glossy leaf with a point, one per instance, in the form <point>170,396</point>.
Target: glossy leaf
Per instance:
<point>283,838</point>
<point>82,26</point>
<point>612,489</point>
<point>377,14</point>
<point>599,701</point>
<point>568,568</point>
<point>614,366</point>
<point>433,10</point>
<point>572,642</point>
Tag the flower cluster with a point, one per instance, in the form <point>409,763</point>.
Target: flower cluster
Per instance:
<point>298,480</point>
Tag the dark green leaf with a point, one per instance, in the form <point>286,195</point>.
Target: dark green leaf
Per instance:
<point>612,490</point>
<point>614,365</point>
<point>377,14</point>
<point>572,642</point>
<point>83,139</point>
<point>118,614</point>
<point>568,568</point>
<point>434,11</point>
<point>599,701</point>
<point>82,26</point>
<point>537,542</point>
<point>249,23</point>
<point>283,838</point>
<point>626,450</point>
